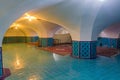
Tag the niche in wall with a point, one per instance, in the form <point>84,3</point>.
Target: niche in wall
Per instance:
<point>62,37</point>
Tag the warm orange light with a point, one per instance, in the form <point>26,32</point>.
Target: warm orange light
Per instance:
<point>34,77</point>
<point>18,64</point>
<point>15,26</point>
<point>30,18</point>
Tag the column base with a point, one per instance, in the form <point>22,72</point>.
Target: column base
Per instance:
<point>45,42</point>
<point>118,43</point>
<point>84,49</point>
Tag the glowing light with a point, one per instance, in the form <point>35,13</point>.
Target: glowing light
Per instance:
<point>15,26</point>
<point>34,77</point>
<point>18,64</point>
<point>30,18</point>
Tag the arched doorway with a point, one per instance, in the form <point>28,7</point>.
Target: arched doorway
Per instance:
<point>62,43</point>
<point>108,41</point>
<point>62,36</point>
<point>25,33</point>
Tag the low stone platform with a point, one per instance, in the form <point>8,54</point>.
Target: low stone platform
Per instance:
<point>66,49</point>
<point>104,51</point>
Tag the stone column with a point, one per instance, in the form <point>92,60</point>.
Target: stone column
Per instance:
<point>84,49</point>
<point>45,42</point>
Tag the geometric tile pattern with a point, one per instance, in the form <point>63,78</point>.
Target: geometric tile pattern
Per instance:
<point>15,39</point>
<point>45,42</point>
<point>113,43</point>
<point>107,42</point>
<point>84,49</point>
<point>34,39</point>
<point>118,43</point>
<point>20,39</point>
<point>1,65</point>
<point>50,41</point>
<point>93,46</point>
<point>103,42</point>
<point>75,49</point>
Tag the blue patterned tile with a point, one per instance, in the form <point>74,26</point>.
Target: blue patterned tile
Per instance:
<point>107,42</point>
<point>1,72</point>
<point>34,39</point>
<point>50,41</point>
<point>1,65</point>
<point>93,49</point>
<point>84,49</point>
<point>113,43</point>
<point>45,42</point>
<point>118,43</point>
<point>75,48</point>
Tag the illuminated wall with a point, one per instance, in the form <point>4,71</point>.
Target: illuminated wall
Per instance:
<point>84,19</point>
<point>13,9</point>
<point>17,35</point>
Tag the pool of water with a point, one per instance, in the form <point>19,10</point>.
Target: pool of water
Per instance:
<point>30,63</point>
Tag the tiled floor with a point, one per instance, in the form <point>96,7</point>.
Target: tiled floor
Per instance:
<point>66,49</point>
<point>30,63</point>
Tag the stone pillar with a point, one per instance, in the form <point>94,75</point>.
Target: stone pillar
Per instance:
<point>45,42</point>
<point>76,49</point>
<point>84,49</point>
<point>118,43</point>
<point>1,64</point>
